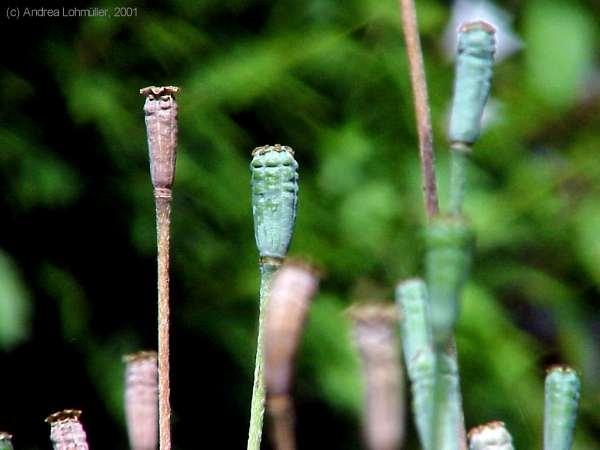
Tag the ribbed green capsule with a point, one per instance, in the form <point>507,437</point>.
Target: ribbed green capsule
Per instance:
<point>560,410</point>
<point>449,242</point>
<point>274,198</point>
<point>474,65</point>
<point>491,436</point>
<point>5,441</point>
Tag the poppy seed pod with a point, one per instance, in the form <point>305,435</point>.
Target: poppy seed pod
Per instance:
<point>66,431</point>
<point>160,110</point>
<point>292,289</point>
<point>474,67</point>
<point>449,242</point>
<point>274,198</point>
<point>375,337</point>
<point>491,436</point>
<point>5,441</point>
<point>141,400</point>
<point>562,390</point>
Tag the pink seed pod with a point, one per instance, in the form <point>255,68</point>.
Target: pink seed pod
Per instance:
<point>292,289</point>
<point>375,336</point>
<point>66,431</point>
<point>141,399</point>
<point>160,110</point>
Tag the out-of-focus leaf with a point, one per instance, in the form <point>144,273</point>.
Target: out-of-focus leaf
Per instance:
<point>15,305</point>
<point>560,43</point>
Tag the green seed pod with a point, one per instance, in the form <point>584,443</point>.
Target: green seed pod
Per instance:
<point>449,242</point>
<point>474,63</point>
<point>422,378</point>
<point>419,356</point>
<point>560,410</point>
<point>411,299</point>
<point>5,441</point>
<point>491,436</point>
<point>274,199</point>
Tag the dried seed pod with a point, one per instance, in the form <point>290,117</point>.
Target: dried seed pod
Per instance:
<point>66,431</point>
<point>474,66</point>
<point>292,289</point>
<point>5,441</point>
<point>562,390</point>
<point>375,337</point>
<point>160,110</point>
<point>141,400</point>
<point>491,436</point>
<point>449,241</point>
<point>274,198</point>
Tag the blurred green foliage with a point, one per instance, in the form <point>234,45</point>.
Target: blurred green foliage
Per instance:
<point>329,79</point>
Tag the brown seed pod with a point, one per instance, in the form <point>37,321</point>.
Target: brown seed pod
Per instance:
<point>160,110</point>
<point>66,431</point>
<point>141,400</point>
<point>375,337</point>
<point>292,289</point>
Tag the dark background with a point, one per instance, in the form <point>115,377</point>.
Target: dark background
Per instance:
<point>77,248</point>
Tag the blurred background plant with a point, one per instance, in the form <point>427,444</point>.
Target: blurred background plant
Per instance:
<point>77,277</point>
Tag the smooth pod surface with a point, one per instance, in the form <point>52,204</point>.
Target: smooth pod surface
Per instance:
<point>274,199</point>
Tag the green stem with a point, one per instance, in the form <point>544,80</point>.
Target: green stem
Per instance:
<point>447,428</point>
<point>459,160</point>
<point>257,408</point>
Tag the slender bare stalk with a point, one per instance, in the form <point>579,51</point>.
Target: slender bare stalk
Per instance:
<point>161,124</point>
<point>274,199</point>
<point>66,431</point>
<point>423,115</point>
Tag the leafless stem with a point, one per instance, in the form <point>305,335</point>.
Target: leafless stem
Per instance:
<point>423,115</point>
<point>163,226</point>
<point>281,412</point>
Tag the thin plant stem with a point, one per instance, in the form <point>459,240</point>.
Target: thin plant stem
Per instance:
<point>160,111</point>
<point>422,112</point>
<point>257,407</point>
<point>459,160</point>
<point>163,226</point>
<point>281,412</point>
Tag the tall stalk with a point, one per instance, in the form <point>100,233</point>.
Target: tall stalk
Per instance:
<point>160,111</point>
<point>421,101</point>
<point>274,198</point>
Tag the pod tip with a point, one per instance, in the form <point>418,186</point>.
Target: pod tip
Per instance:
<point>65,414</point>
<point>477,25</point>
<point>272,148</point>
<point>159,90</point>
<point>142,355</point>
